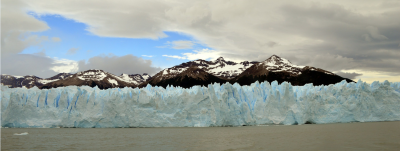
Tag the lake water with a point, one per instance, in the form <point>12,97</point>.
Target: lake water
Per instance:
<point>348,136</point>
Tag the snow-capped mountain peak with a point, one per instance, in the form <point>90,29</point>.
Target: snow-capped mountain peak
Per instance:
<point>219,67</point>
<point>92,74</point>
<point>126,78</point>
<point>98,75</point>
<point>278,64</point>
<point>146,76</point>
<point>276,60</point>
<point>219,59</point>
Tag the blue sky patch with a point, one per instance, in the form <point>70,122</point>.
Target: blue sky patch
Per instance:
<point>79,44</point>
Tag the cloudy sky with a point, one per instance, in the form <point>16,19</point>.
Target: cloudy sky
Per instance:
<point>358,39</point>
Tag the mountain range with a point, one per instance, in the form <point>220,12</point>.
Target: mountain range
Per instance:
<point>91,78</point>
<point>188,74</point>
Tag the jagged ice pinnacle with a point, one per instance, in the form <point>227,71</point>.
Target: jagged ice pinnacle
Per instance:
<point>215,105</point>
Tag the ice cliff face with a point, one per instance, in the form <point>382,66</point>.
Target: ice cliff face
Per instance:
<point>215,105</point>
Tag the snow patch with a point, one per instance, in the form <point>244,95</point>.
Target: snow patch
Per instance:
<point>44,81</point>
<point>18,77</point>
<point>92,75</point>
<point>145,77</point>
<point>125,78</point>
<point>113,81</point>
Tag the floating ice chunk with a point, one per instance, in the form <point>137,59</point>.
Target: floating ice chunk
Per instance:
<point>24,133</point>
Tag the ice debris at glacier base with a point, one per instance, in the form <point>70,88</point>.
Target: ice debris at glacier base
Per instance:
<point>215,105</point>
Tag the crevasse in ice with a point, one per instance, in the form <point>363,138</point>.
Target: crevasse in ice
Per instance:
<point>214,105</point>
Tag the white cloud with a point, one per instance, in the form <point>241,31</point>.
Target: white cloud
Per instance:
<point>199,54</point>
<point>179,44</point>
<point>182,44</point>
<point>371,76</point>
<point>147,56</point>
<point>202,54</point>
<point>56,39</point>
<point>65,66</point>
<point>174,56</point>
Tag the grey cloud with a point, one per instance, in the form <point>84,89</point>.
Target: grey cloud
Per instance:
<point>348,75</point>
<point>14,18</point>
<point>366,37</point>
<point>344,37</point>
<point>72,51</point>
<point>11,42</point>
<point>304,32</point>
<point>328,62</point>
<point>16,26</point>
<point>136,19</point>
<point>16,35</point>
<point>269,44</point>
<point>27,64</point>
<point>373,31</point>
<point>391,4</point>
<point>128,64</point>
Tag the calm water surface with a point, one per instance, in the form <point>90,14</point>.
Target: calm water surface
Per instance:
<point>351,136</point>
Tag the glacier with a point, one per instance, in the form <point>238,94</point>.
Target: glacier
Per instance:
<point>214,105</point>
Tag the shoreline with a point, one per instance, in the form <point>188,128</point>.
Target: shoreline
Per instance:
<point>261,125</point>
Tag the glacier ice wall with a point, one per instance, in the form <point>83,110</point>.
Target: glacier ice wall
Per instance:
<point>215,105</point>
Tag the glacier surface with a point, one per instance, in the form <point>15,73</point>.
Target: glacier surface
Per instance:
<point>214,105</point>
